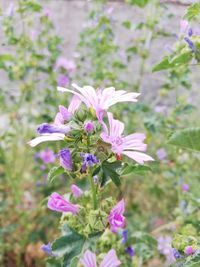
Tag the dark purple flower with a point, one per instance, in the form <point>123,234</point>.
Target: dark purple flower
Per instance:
<point>62,80</point>
<point>176,254</point>
<point>65,159</point>
<point>124,236</point>
<point>190,44</point>
<point>48,249</point>
<point>88,160</point>
<point>46,128</point>
<point>130,251</point>
<point>190,32</point>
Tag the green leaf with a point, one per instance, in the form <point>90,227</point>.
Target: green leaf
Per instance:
<point>194,261</point>
<point>74,262</point>
<point>6,57</point>
<point>188,138</point>
<point>140,3</point>
<point>193,11</point>
<point>144,238</point>
<point>127,24</point>
<point>137,169</point>
<point>54,172</point>
<point>53,263</point>
<point>109,171</point>
<point>178,60</point>
<point>70,245</point>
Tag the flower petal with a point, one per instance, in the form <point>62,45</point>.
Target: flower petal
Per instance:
<point>110,259</point>
<point>46,137</point>
<point>138,156</point>
<point>88,259</point>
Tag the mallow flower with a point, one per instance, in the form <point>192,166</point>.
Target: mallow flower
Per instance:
<point>128,145</point>
<point>57,203</point>
<point>88,160</point>
<point>100,100</point>
<point>116,218</point>
<point>109,260</point>
<point>57,130</point>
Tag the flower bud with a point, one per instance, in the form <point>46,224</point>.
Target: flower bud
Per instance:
<point>65,159</point>
<point>189,250</point>
<point>88,126</point>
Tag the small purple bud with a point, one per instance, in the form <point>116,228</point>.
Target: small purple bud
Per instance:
<point>124,236</point>
<point>88,160</point>
<point>95,178</point>
<point>185,187</point>
<point>65,159</point>
<point>190,32</point>
<point>176,254</point>
<point>48,249</point>
<point>88,126</point>
<point>189,250</point>
<point>46,128</point>
<point>76,191</point>
<point>130,251</point>
<point>190,44</point>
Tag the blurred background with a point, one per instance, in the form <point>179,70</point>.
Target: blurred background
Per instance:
<point>101,43</point>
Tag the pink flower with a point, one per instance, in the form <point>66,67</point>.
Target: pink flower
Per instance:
<point>66,64</point>
<point>189,250</point>
<point>185,187</point>
<point>64,113</point>
<point>128,145</point>
<point>101,99</point>
<point>110,259</point>
<point>76,191</point>
<point>116,218</point>
<point>47,156</point>
<point>88,126</point>
<point>57,203</point>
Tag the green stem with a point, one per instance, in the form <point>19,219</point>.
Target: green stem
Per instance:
<point>93,189</point>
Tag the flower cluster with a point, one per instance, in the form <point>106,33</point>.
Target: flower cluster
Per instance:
<point>83,130</point>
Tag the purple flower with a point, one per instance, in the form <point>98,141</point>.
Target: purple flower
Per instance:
<point>65,159</point>
<point>47,156</point>
<point>68,65</point>
<point>116,218</point>
<point>63,80</point>
<point>189,250</point>
<point>100,100</point>
<point>10,11</point>
<point>48,249</point>
<point>130,251</point>
<point>64,113</point>
<point>176,254</point>
<point>109,260</point>
<point>124,236</point>
<point>190,32</point>
<point>185,187</point>
<point>190,44</point>
<point>88,126</point>
<point>76,191</point>
<point>57,203</point>
<point>46,128</point>
<point>183,26</point>
<point>88,160</point>
<point>128,145</point>
<point>161,154</point>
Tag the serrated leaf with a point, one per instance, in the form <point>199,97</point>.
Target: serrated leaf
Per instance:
<point>137,169</point>
<point>194,261</point>
<point>70,245</point>
<point>54,172</point>
<point>188,138</point>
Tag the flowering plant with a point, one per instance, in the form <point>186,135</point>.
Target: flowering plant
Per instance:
<point>93,149</point>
